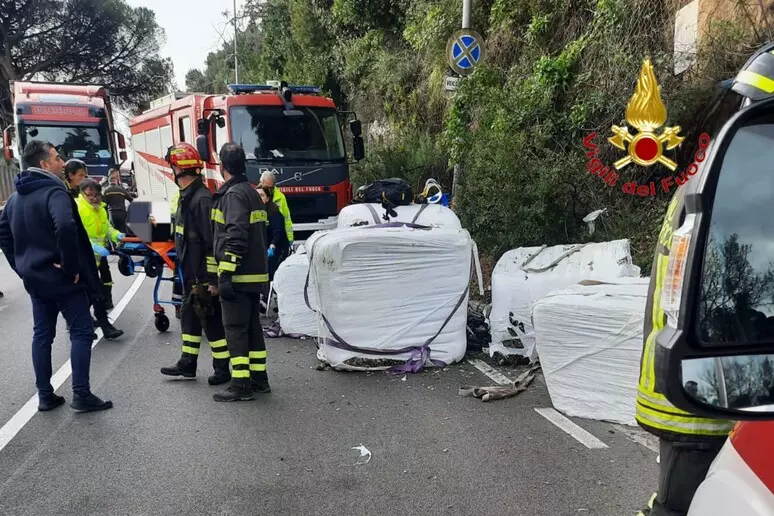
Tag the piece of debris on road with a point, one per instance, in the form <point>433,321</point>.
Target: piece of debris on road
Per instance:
<point>500,392</point>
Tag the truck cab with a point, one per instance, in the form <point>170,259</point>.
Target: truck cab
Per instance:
<point>76,119</point>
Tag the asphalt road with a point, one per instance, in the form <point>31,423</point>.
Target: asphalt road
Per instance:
<point>167,448</point>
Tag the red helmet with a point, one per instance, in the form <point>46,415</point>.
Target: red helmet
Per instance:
<point>185,158</point>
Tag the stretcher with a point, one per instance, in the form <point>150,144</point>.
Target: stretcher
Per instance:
<point>152,258</point>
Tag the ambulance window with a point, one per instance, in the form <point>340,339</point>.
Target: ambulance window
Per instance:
<point>166,139</point>
<point>185,128</point>
<point>737,291</point>
<point>153,142</point>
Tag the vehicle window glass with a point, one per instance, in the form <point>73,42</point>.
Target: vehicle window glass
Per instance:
<point>267,133</point>
<point>737,291</point>
<point>221,138</point>
<point>72,142</point>
<point>138,142</point>
<point>153,142</point>
<point>166,139</point>
<point>185,129</point>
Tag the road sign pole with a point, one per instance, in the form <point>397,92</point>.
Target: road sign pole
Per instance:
<point>467,6</point>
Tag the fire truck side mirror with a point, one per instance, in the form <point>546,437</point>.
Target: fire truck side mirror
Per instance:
<point>121,142</point>
<point>356,128</point>
<point>7,143</point>
<point>358,148</point>
<point>202,127</point>
<point>122,155</point>
<point>203,146</point>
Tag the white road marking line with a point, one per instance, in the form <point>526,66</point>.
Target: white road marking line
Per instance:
<point>23,416</point>
<point>639,436</point>
<point>576,432</point>
<point>489,371</point>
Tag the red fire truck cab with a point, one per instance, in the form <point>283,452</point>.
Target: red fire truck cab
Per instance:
<point>290,131</point>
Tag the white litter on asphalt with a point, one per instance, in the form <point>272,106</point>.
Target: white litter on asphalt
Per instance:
<point>23,416</point>
<point>365,455</point>
<point>485,368</point>
<point>576,432</point>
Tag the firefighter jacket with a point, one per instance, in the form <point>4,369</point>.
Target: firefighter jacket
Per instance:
<point>239,222</point>
<point>654,412</point>
<point>96,222</point>
<point>116,197</point>
<point>282,203</point>
<point>193,235</point>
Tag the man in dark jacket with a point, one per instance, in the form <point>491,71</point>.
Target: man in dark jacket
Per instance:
<point>46,245</point>
<point>240,249</point>
<point>116,197</point>
<point>193,244</point>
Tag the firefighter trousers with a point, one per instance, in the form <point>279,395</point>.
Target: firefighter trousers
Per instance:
<point>212,325</point>
<point>683,467</point>
<point>244,334</point>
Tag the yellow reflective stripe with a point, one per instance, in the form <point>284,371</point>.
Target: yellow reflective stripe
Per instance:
<point>192,338</point>
<point>211,260</point>
<point>756,80</point>
<point>687,425</point>
<point>240,374</point>
<point>212,268</point>
<point>258,216</point>
<point>108,284</point>
<point>648,367</point>
<point>220,354</point>
<point>233,257</point>
<point>190,350</point>
<point>257,354</point>
<point>222,343</point>
<point>235,361</point>
<point>217,216</point>
<point>180,230</point>
<point>227,266</point>
<point>258,367</point>
<point>185,162</point>
<point>659,402</point>
<point>250,278</point>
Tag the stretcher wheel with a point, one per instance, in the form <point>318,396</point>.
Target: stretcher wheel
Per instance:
<point>125,266</point>
<point>153,268</point>
<point>162,322</point>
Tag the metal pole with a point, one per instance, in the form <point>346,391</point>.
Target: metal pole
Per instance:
<point>236,59</point>
<point>722,392</point>
<point>467,6</point>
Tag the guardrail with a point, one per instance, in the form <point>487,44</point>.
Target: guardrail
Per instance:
<point>8,172</point>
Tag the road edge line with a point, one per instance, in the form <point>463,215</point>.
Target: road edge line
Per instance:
<point>19,420</point>
<point>576,432</point>
<point>489,371</point>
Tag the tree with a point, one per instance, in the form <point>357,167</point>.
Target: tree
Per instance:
<point>97,41</point>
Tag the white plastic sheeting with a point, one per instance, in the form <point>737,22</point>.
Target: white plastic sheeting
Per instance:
<point>590,342</point>
<point>362,214</point>
<point>295,317</point>
<point>522,276</point>
<point>390,289</point>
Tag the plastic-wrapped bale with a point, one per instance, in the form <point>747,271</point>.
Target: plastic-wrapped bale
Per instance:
<point>391,296</point>
<point>367,214</point>
<point>295,317</point>
<point>522,276</point>
<point>590,341</point>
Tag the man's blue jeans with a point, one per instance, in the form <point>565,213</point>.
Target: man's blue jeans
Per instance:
<point>75,309</point>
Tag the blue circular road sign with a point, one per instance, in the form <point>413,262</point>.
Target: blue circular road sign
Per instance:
<point>465,51</point>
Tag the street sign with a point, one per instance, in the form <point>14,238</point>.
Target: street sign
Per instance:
<point>451,83</point>
<point>465,51</point>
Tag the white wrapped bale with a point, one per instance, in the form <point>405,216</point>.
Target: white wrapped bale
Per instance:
<point>295,318</point>
<point>366,214</point>
<point>522,276</point>
<point>391,296</point>
<point>590,342</point>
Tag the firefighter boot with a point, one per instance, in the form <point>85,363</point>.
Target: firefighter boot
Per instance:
<point>222,374</point>
<point>259,381</point>
<point>109,331</point>
<point>238,390</point>
<point>107,291</point>
<point>185,367</point>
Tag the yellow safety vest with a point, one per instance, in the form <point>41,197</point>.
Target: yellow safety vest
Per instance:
<point>96,222</point>
<point>654,412</point>
<point>282,204</point>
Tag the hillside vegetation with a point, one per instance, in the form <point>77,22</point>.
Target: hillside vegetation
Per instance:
<point>555,71</point>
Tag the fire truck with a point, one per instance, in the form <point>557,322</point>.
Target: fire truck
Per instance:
<point>76,119</point>
<point>290,131</point>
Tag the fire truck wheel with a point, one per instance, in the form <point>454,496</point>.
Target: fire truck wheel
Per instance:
<point>162,322</point>
<point>153,268</point>
<point>125,266</point>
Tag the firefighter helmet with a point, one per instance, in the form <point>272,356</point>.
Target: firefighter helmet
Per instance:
<point>756,79</point>
<point>184,159</point>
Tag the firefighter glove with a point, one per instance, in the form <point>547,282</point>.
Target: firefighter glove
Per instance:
<point>226,288</point>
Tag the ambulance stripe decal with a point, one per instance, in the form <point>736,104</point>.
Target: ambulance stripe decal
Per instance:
<point>754,443</point>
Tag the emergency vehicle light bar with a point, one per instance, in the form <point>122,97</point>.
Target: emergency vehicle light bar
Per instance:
<point>241,89</point>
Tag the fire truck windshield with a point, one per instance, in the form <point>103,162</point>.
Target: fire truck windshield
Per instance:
<point>267,134</point>
<point>71,141</point>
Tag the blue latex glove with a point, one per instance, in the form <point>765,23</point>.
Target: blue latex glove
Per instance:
<point>271,252</point>
<point>121,236</point>
<point>98,249</point>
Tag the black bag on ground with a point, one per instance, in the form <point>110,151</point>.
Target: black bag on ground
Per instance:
<point>388,192</point>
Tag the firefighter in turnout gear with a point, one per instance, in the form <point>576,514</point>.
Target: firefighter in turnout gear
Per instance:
<point>194,244</point>
<point>239,222</point>
<point>177,288</point>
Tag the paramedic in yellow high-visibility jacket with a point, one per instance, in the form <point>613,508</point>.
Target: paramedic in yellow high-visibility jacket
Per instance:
<point>268,183</point>
<point>94,215</point>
